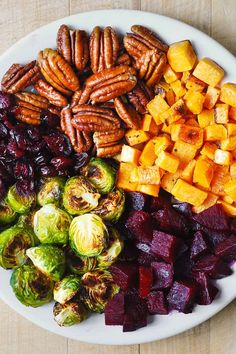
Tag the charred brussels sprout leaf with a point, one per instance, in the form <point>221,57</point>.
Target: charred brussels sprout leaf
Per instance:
<point>79,197</point>
<point>20,204</point>
<point>80,265</point>
<point>115,246</point>
<point>49,259</point>
<point>31,287</point>
<point>100,174</point>
<point>66,289</point>
<point>111,207</point>
<point>88,235</point>
<point>13,245</point>
<point>70,313</point>
<point>51,224</point>
<point>50,191</point>
<point>7,214</point>
<point>98,288</point>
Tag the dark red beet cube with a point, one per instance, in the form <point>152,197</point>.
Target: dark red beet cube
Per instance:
<point>213,218</point>
<point>136,312</point>
<point>168,220</point>
<point>227,248</point>
<point>129,252</point>
<point>216,237</point>
<point>162,275</point>
<point>145,281</point>
<point>156,303</point>
<point>206,291</point>
<point>213,266</point>
<point>139,224</point>
<point>137,201</point>
<point>125,274</point>
<point>199,246</point>
<point>161,202</point>
<point>181,296</point>
<point>183,266</point>
<point>183,208</point>
<point>114,310</point>
<point>233,225</point>
<point>165,246</point>
<point>145,258</point>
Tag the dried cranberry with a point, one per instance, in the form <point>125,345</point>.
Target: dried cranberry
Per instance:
<point>5,101</point>
<point>61,162</point>
<point>41,159</point>
<point>34,147</point>
<point>23,170</point>
<point>3,131</point>
<point>14,150</point>
<point>49,119</point>
<point>25,187</point>
<point>48,171</point>
<point>80,160</point>
<point>58,144</point>
<point>3,148</point>
<point>34,133</point>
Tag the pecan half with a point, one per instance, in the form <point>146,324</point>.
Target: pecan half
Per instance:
<point>19,77</point>
<point>151,66</point>
<point>54,110</point>
<point>53,96</point>
<point>64,43</point>
<point>103,46</point>
<point>81,141</point>
<point>29,107</point>
<point>123,59</point>
<point>107,139</point>
<point>109,151</point>
<point>75,99</point>
<point>149,38</point>
<point>127,113</point>
<point>140,96</point>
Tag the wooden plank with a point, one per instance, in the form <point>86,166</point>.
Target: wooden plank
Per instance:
<point>85,5</point>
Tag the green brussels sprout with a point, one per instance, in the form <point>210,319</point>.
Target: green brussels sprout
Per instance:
<point>79,197</point>
<point>80,265</point>
<point>100,174</point>
<point>112,206</point>
<point>65,289</point>
<point>50,191</point>
<point>14,242</point>
<point>49,259</point>
<point>27,220</point>
<point>115,246</point>
<point>88,235</point>
<point>51,225</point>
<point>71,313</point>
<point>20,204</point>
<point>98,288</point>
<point>31,287</point>
<point>7,214</point>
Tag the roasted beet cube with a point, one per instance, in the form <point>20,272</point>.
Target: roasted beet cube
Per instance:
<point>145,281</point>
<point>213,266</point>
<point>206,290</point>
<point>156,303</point>
<point>183,266</point>
<point>199,246</point>
<point>183,208</point>
<point>213,218</point>
<point>137,201</point>
<point>165,246</point>
<point>114,310</point>
<point>145,258</point>
<point>215,237</point>
<point>139,224</point>
<point>181,296</point>
<point>227,248</point>
<point>233,225</point>
<point>136,312</point>
<point>162,275</point>
<point>125,274</point>
<point>168,220</point>
<point>129,252</point>
<point>161,202</point>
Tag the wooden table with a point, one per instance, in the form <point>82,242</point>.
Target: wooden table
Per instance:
<point>215,17</point>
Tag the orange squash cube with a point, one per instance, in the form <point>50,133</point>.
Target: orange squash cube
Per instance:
<point>226,198</point>
<point>232,169</point>
<point>130,154</point>
<point>167,162</point>
<point>178,89</point>
<point>187,174</point>
<point>230,189</point>
<point>232,113</point>
<point>189,134</point>
<point>149,125</point>
<point>203,173</point>
<point>169,179</point>
<point>221,113</point>
<point>166,129</point>
<point>206,117</point>
<point>135,137</point>
<point>170,97</point>
<point>228,144</point>
<point>209,72</point>
<point>192,122</point>
<point>231,128</point>
<point>208,150</point>
<point>220,178</point>
<point>181,56</point>
<point>174,113</point>
<point>195,84</point>
<point>150,189</point>
<point>124,174</point>
<point>146,175</point>
<point>185,76</point>
<point>194,101</point>
<point>185,192</point>
<point>148,155</point>
<point>157,106</point>
<point>170,75</point>
<point>211,97</point>
<point>161,143</point>
<point>228,94</point>
<point>184,151</point>
<point>208,202</point>
<point>222,157</point>
<point>215,132</point>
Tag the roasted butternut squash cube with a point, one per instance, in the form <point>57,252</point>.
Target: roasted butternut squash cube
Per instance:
<point>178,89</point>
<point>170,97</point>
<point>184,151</point>
<point>130,154</point>
<point>228,208</point>
<point>232,169</point>
<point>166,128</point>
<point>157,106</point>
<point>209,72</point>
<point>124,173</point>
<point>215,132</point>
<point>228,144</point>
<point>230,189</point>
<point>211,97</point>
<point>169,179</point>
<point>221,113</point>
<point>185,192</point>
<point>192,122</point>
<point>222,157</point>
<point>185,76</point>
<point>195,84</point>
<point>208,202</point>
<point>206,117</point>
<point>174,113</point>
<point>226,198</point>
<point>221,176</point>
<point>203,173</point>
<point>148,155</point>
<point>208,150</point>
<point>228,94</point>
<point>150,189</point>
<point>187,174</point>
<point>232,113</point>
<point>149,125</point>
<point>167,162</point>
<point>194,101</point>
<point>181,56</point>
<point>170,75</point>
<point>231,128</point>
<point>161,144</point>
<point>135,137</point>
<point>189,134</point>
<point>146,175</point>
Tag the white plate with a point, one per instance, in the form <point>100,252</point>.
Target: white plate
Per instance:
<point>93,330</point>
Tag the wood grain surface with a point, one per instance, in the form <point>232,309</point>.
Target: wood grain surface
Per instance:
<point>215,17</point>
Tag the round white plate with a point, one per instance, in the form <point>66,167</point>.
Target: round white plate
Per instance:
<point>94,330</point>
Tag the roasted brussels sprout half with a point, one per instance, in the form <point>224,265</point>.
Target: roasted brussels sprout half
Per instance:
<point>50,191</point>
<point>51,224</point>
<point>98,288</point>
<point>7,214</point>
<point>31,287</point>
<point>79,197</point>
<point>100,174</point>
<point>80,265</point>
<point>14,242</point>
<point>71,313</point>
<point>49,259</point>
<point>27,220</point>
<point>20,204</point>
<point>88,235</point>
<point>111,207</point>
<point>115,246</point>
<point>65,289</point>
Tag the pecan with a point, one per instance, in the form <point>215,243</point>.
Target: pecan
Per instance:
<point>151,66</point>
<point>123,59</point>
<point>64,43</point>
<point>109,151</point>
<point>75,99</point>
<point>127,113</point>
<point>91,118</point>
<point>19,77</point>
<point>151,40</point>
<point>81,141</point>
<point>53,96</point>
<point>140,96</point>
<point>110,138</point>
<point>103,46</point>
<point>27,115</point>
<point>54,110</point>
<point>29,107</point>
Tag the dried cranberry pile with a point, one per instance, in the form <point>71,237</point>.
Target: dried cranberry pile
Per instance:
<point>170,260</point>
<point>30,152</point>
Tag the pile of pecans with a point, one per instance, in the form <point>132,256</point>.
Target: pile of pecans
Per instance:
<point>97,85</point>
